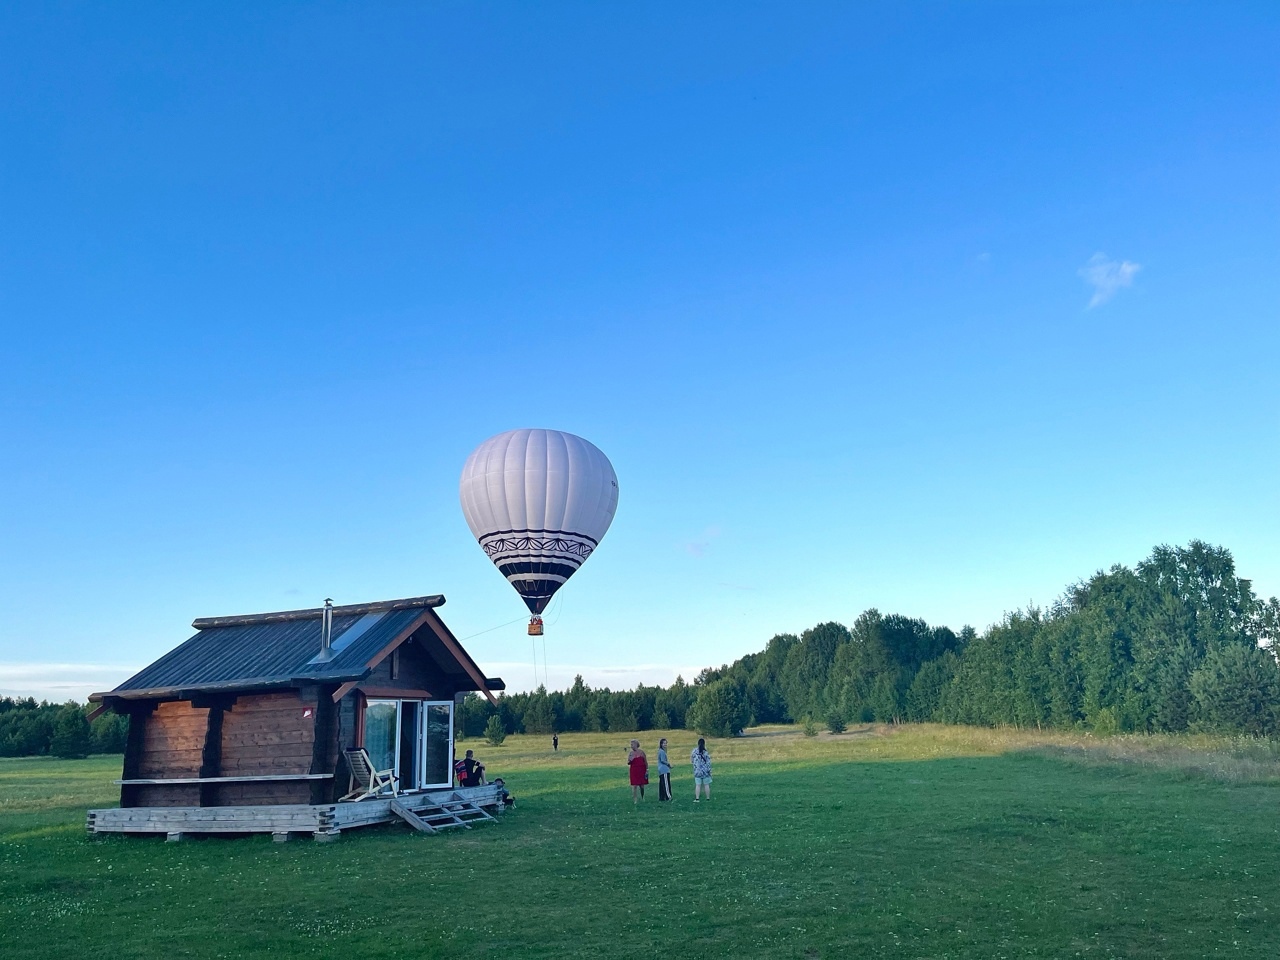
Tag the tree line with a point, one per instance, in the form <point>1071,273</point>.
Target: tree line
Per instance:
<point>29,729</point>
<point>1178,643</point>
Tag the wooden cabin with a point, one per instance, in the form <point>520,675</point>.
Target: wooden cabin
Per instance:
<point>258,709</point>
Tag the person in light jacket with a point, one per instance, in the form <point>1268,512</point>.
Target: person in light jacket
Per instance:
<point>664,772</point>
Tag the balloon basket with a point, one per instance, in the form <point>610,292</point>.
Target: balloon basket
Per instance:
<point>535,626</point>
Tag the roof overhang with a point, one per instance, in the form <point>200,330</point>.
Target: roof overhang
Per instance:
<point>187,691</point>
<point>315,613</point>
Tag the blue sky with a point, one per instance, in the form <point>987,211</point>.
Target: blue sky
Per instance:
<point>934,308</point>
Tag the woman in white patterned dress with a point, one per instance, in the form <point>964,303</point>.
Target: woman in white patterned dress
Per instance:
<point>701,770</point>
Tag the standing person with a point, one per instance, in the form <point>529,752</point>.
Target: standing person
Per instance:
<point>701,770</point>
<point>638,764</point>
<point>664,772</point>
<point>555,743</point>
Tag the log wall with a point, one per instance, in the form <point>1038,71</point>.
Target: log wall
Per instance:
<point>172,745</point>
<point>173,741</point>
<point>266,734</point>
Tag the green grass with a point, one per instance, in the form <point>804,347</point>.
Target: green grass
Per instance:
<point>926,842</point>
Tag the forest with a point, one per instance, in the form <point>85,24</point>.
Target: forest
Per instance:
<point>1179,643</point>
<point>29,729</point>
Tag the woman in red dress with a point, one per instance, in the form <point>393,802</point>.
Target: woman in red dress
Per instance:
<point>638,764</point>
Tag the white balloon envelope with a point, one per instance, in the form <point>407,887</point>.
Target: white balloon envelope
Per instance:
<point>538,502</point>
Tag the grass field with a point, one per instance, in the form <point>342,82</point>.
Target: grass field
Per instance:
<point>919,842</point>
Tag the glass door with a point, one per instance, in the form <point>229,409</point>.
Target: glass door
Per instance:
<point>437,744</point>
<point>413,738</point>
<point>408,758</point>
<point>381,733</point>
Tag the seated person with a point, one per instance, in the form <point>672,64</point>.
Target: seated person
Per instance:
<point>503,793</point>
<point>469,771</point>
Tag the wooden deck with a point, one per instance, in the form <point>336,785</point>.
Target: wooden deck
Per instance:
<point>429,812</point>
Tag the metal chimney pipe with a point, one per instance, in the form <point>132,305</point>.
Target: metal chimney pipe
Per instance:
<point>326,629</point>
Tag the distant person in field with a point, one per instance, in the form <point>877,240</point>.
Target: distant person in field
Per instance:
<point>664,772</point>
<point>638,765</point>
<point>701,770</point>
<point>555,742</point>
<point>469,770</point>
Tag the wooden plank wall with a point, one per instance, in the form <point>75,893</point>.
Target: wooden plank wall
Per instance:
<point>267,734</point>
<point>138,714</point>
<point>346,737</point>
<point>325,756</point>
<point>172,746</point>
<point>417,671</point>
<point>348,719</point>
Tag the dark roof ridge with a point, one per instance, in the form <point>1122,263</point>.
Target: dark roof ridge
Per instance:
<point>314,613</point>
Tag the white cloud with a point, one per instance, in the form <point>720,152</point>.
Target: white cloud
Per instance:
<point>698,548</point>
<point>1106,276</point>
<point>59,682</point>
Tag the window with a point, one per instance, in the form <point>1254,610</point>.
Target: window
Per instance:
<point>380,729</point>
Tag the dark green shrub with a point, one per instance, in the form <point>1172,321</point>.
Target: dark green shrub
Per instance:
<point>719,711</point>
<point>71,733</point>
<point>1105,723</point>
<point>110,732</point>
<point>1237,689</point>
<point>494,731</point>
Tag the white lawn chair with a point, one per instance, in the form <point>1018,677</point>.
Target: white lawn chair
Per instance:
<point>365,781</point>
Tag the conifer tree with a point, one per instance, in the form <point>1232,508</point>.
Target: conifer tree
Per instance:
<point>71,733</point>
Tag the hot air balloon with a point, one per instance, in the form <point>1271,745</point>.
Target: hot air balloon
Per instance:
<point>538,502</point>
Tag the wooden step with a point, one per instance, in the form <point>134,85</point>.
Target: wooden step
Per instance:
<point>411,818</point>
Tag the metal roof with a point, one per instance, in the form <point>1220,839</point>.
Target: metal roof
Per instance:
<point>280,649</point>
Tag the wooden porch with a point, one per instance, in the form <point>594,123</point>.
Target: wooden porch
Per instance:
<point>428,812</point>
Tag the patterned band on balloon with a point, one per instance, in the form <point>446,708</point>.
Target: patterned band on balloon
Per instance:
<point>552,544</point>
<point>537,562</point>
<point>537,569</point>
